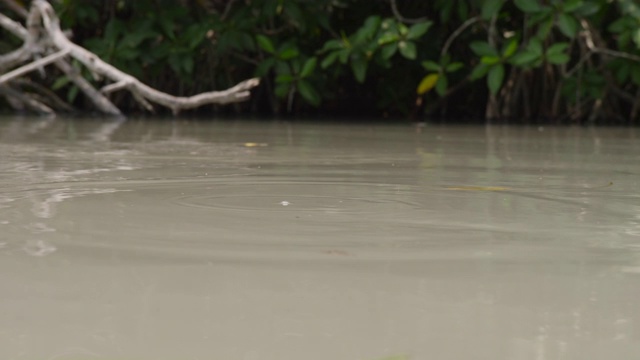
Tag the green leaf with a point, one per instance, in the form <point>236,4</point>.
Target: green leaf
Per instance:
<point>427,83</point>
<point>417,30</point>
<point>510,48</point>
<point>535,46</point>
<point>587,9</point>
<point>569,6</point>
<point>264,67</point>
<point>479,72</point>
<point>329,59</point>
<point>482,48</point>
<point>113,30</point>
<point>284,79</point>
<point>167,25</point>
<point>73,92</point>
<point>490,60</point>
<point>127,53</point>
<point>557,48</point>
<point>529,6</point>
<point>568,25</point>
<point>60,82</point>
<point>368,30</point>
<point>490,7</point>
<point>265,44</point>
<point>187,65</point>
<point>333,44</point>
<point>288,53</point>
<point>196,34</point>
<point>308,67</point>
<point>525,57</point>
<point>545,28</point>
<point>442,84</point>
<point>282,90</point>
<point>495,78</point>
<point>295,14</point>
<point>359,67</point>
<point>431,65</point>
<point>308,93</point>
<point>388,37</point>
<point>344,55</point>
<point>407,49</point>
<point>454,67</point>
<point>388,50</point>
<point>558,59</point>
<point>403,29</point>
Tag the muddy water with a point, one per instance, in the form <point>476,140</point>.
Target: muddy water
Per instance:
<point>261,241</point>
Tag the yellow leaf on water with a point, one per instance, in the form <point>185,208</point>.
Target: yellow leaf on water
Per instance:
<point>427,83</point>
<point>252,144</point>
<point>478,188</point>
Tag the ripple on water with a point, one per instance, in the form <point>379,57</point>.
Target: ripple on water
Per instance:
<point>300,197</point>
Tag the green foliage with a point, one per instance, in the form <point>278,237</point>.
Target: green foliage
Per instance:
<point>377,41</point>
<point>568,55</point>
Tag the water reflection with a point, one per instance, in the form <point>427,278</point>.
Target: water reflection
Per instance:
<point>199,240</point>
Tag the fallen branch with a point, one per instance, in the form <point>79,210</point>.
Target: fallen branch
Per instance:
<point>240,92</point>
<point>43,36</point>
<point>33,66</point>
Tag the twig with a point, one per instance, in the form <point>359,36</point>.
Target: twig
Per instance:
<point>44,92</point>
<point>17,8</point>
<point>457,33</point>
<point>26,100</point>
<point>13,26</point>
<point>396,13</point>
<point>33,66</point>
<point>100,101</point>
<point>591,45</point>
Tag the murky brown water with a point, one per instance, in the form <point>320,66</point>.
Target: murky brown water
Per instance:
<point>264,241</point>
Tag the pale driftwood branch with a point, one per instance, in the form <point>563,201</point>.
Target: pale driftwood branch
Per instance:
<point>27,101</point>
<point>240,92</point>
<point>99,101</point>
<point>17,8</point>
<point>588,36</point>
<point>43,36</point>
<point>115,87</point>
<point>44,92</point>
<point>13,26</point>
<point>25,52</point>
<point>33,66</point>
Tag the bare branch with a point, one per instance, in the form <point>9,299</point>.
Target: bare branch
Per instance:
<point>33,66</point>
<point>17,8</point>
<point>457,33</point>
<point>588,37</point>
<point>99,100</point>
<point>26,100</point>
<point>240,92</point>
<point>13,26</point>
<point>396,13</point>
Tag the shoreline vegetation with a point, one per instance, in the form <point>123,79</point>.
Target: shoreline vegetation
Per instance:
<point>575,61</point>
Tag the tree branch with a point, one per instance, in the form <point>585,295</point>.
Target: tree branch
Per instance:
<point>240,92</point>
<point>33,66</point>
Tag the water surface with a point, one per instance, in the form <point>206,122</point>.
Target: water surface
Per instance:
<point>273,240</point>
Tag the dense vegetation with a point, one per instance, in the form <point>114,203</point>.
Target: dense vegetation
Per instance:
<point>575,60</point>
